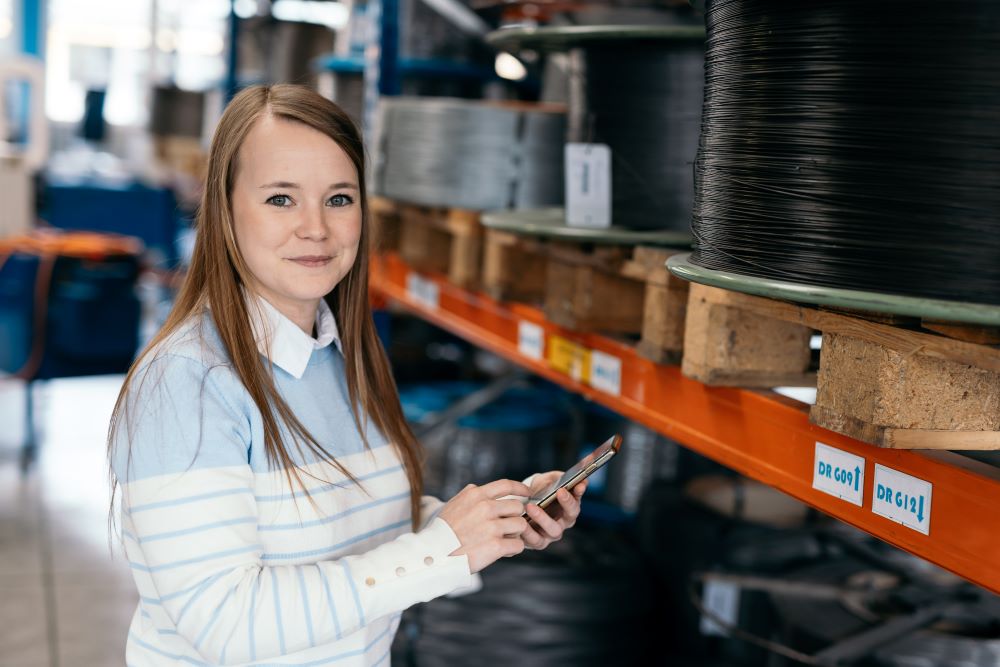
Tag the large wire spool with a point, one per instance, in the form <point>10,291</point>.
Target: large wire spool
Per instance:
<point>849,145</point>
<point>583,601</point>
<point>637,89</point>
<point>473,155</point>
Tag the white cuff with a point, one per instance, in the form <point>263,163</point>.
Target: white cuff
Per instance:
<point>413,568</point>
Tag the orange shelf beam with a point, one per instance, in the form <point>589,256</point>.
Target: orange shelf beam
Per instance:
<point>759,434</point>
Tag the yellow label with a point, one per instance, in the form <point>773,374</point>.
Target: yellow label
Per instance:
<point>570,358</point>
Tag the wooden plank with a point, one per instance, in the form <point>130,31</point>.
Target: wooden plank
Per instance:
<point>908,342</point>
<point>968,333</point>
<point>904,438</point>
<point>936,439</point>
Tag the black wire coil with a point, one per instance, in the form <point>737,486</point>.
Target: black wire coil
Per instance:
<point>853,144</point>
<point>643,99</point>
<point>583,601</point>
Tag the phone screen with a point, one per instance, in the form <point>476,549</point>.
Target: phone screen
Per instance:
<point>602,453</point>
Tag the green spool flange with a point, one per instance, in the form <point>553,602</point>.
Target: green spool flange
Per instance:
<point>577,36</point>
<point>551,223</point>
<point>909,306</point>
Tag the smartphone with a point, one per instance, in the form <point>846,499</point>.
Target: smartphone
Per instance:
<point>581,471</point>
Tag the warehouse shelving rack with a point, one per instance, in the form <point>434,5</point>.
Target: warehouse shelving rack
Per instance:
<point>760,434</point>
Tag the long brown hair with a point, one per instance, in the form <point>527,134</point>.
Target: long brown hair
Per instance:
<point>218,273</point>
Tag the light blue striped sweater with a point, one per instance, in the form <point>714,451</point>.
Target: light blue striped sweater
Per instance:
<point>234,566</point>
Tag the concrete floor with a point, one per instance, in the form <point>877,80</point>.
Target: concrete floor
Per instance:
<point>64,598</point>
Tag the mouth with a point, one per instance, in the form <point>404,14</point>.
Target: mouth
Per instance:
<point>312,260</point>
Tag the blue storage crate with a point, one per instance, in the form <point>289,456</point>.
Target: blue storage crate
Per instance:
<point>91,319</point>
<point>147,213</point>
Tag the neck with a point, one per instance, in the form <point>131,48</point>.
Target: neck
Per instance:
<point>301,313</point>
<point>304,316</point>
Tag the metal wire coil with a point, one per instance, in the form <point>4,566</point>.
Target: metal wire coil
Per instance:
<point>473,155</point>
<point>643,99</point>
<point>853,144</point>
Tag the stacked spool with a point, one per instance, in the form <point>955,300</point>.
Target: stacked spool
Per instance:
<point>848,158</point>
<point>637,90</point>
<point>635,97</point>
<point>470,155</point>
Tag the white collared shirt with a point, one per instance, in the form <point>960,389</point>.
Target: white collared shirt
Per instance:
<point>290,346</point>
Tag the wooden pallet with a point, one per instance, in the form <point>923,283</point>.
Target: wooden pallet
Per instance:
<point>514,267</point>
<point>442,240</point>
<point>890,381</point>
<point>595,288</point>
<point>385,224</point>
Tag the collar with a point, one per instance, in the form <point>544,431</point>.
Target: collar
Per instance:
<point>284,343</point>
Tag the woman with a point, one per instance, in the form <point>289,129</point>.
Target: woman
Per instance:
<point>270,487</point>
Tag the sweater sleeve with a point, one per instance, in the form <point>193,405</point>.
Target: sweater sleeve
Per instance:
<point>190,523</point>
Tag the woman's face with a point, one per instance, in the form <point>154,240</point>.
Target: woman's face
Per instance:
<point>296,213</point>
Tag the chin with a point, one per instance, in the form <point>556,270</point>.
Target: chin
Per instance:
<point>311,290</point>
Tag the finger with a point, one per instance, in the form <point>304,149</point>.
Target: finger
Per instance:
<point>507,507</point>
<point>548,478</point>
<point>505,487</point>
<point>579,489</point>
<point>514,525</point>
<point>570,508</point>
<point>509,546</point>
<point>550,527</point>
<point>533,539</point>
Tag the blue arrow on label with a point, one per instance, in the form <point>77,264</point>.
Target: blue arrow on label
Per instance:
<point>920,512</point>
<point>857,477</point>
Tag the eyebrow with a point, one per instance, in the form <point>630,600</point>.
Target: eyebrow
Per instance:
<point>289,185</point>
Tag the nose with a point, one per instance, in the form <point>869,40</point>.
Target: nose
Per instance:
<point>312,225</point>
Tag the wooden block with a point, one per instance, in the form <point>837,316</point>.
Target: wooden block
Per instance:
<point>385,224</point>
<point>891,337</point>
<point>465,259</point>
<point>731,346</point>
<point>663,320</point>
<point>664,306</point>
<point>424,247</point>
<point>442,240</point>
<point>871,392</point>
<point>584,298</point>
<point>513,268</point>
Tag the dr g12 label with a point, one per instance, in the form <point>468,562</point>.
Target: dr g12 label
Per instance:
<point>902,498</point>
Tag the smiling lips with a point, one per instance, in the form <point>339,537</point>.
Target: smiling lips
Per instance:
<point>312,260</point>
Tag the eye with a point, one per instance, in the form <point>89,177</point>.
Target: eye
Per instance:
<point>338,201</point>
<point>281,201</point>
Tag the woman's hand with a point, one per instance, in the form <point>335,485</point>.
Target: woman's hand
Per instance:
<point>487,527</point>
<point>547,526</point>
